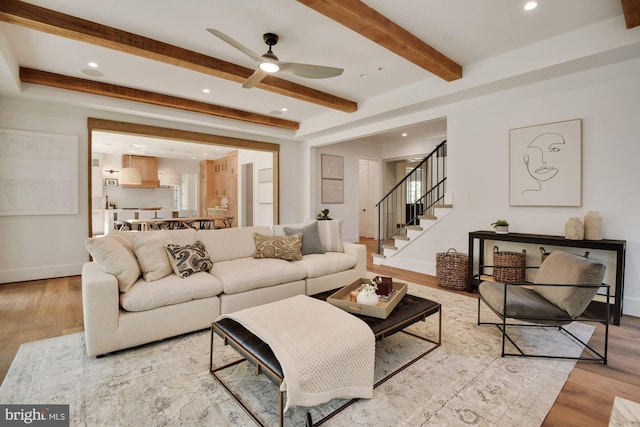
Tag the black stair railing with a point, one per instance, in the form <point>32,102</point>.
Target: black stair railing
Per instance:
<point>413,197</point>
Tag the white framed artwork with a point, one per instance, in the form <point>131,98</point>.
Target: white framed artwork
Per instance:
<point>545,164</point>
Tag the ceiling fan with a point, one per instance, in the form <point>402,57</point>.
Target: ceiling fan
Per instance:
<point>269,62</point>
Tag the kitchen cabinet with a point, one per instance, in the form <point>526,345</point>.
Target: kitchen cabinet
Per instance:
<point>218,180</point>
<point>148,167</point>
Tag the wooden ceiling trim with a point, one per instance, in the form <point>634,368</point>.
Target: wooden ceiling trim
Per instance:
<point>59,24</point>
<point>371,24</point>
<point>45,78</point>
<point>631,10</point>
<point>179,135</point>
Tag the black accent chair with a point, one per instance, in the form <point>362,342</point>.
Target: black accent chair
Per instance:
<point>564,286</point>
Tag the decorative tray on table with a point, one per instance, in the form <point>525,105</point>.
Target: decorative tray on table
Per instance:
<point>382,310</point>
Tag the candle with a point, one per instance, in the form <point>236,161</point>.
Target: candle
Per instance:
<point>353,296</point>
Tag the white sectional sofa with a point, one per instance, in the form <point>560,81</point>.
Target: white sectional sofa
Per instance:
<point>129,299</point>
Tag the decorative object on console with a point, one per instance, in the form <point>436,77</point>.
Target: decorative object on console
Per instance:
<point>593,226</point>
<point>324,215</point>
<point>384,285</point>
<point>501,226</point>
<point>367,294</point>
<point>509,267</point>
<point>574,229</point>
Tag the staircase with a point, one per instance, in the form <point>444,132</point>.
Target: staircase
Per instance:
<point>413,206</point>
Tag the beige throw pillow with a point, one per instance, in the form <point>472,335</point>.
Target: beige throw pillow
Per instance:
<point>288,248</point>
<point>331,235</point>
<point>565,268</point>
<point>115,258</point>
<point>149,248</point>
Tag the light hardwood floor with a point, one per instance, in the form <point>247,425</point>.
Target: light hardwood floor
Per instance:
<point>48,308</point>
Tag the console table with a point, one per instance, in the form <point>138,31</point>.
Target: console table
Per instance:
<point>617,246</point>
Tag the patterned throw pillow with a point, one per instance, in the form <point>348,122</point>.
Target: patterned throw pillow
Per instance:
<point>188,259</point>
<point>288,248</point>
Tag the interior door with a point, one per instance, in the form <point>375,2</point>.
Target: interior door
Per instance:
<point>368,186</point>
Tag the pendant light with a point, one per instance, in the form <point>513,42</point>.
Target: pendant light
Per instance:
<point>130,175</point>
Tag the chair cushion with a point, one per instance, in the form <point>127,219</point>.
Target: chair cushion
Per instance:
<point>565,268</point>
<point>522,303</point>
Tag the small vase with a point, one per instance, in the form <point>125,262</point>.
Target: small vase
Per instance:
<point>502,229</point>
<point>593,226</point>
<point>367,298</point>
<point>573,229</point>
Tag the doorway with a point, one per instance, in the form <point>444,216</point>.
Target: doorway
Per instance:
<point>368,195</point>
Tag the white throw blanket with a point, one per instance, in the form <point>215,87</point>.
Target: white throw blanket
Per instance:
<point>325,353</point>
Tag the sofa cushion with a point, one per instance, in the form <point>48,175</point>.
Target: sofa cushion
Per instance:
<point>230,243</point>
<point>115,257</point>
<point>317,265</point>
<point>245,274</point>
<point>287,248</point>
<point>565,268</point>
<point>331,235</point>
<point>311,243</point>
<point>170,290</point>
<point>188,259</point>
<point>278,229</point>
<point>152,256</point>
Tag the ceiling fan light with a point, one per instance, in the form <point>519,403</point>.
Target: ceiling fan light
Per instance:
<point>269,67</point>
<point>130,176</point>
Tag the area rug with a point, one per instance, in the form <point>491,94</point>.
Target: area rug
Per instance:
<point>463,382</point>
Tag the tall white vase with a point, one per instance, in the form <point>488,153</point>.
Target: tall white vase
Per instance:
<point>593,226</point>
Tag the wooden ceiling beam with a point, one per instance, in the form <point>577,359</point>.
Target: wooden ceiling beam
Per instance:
<point>631,10</point>
<point>28,75</point>
<point>369,23</point>
<point>59,24</point>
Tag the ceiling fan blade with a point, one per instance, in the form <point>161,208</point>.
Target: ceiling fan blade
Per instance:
<point>225,38</point>
<point>310,71</point>
<point>254,79</point>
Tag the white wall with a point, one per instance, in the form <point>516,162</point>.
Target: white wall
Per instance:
<point>608,102</point>
<point>37,247</point>
<point>262,212</point>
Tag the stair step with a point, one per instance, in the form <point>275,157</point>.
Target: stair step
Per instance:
<point>379,256</point>
<point>443,206</point>
<point>413,227</point>
<point>430,217</point>
<point>389,247</point>
<point>401,237</point>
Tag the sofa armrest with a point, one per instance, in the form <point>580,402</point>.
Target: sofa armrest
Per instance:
<point>100,307</point>
<point>360,252</point>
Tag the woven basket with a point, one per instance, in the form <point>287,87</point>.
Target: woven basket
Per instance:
<point>452,269</point>
<point>544,254</point>
<point>508,267</point>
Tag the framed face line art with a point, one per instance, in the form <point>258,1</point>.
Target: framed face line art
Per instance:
<point>545,164</point>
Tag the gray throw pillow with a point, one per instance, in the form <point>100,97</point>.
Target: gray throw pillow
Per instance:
<point>311,243</point>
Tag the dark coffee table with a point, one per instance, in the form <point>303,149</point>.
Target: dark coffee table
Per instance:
<point>409,310</point>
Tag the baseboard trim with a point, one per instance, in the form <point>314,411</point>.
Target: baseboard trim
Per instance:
<point>40,273</point>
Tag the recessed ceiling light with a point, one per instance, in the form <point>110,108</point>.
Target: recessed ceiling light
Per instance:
<point>218,149</point>
<point>92,65</point>
<point>284,109</point>
<point>364,75</point>
<point>205,90</point>
<point>194,157</point>
<point>530,5</point>
<point>404,134</point>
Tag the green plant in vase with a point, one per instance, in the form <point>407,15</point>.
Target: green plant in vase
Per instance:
<point>324,215</point>
<point>501,226</point>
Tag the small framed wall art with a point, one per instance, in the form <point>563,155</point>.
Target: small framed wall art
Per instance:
<point>110,182</point>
